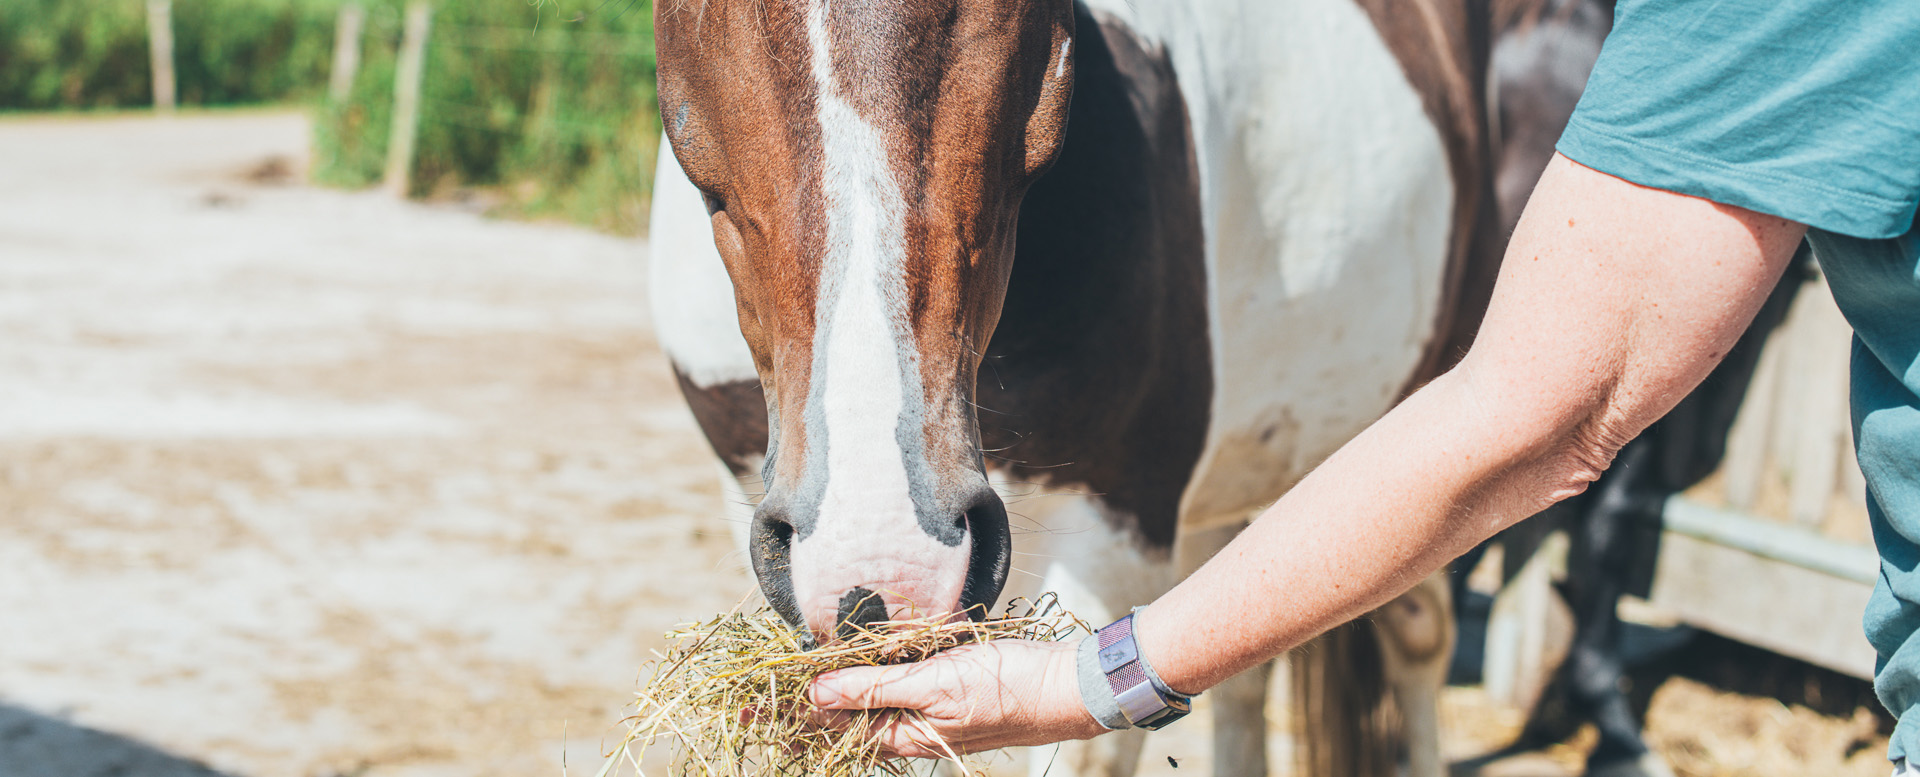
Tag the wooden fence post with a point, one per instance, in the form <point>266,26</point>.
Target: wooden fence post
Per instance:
<point>160,51</point>
<point>346,50</point>
<point>1825,344</point>
<point>1529,629</point>
<point>406,98</point>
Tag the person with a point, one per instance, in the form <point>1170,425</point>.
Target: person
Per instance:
<point>1712,138</point>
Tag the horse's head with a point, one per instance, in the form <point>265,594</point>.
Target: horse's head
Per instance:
<point>864,162</point>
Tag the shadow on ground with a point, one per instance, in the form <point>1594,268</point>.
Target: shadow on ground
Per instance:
<point>34,745</point>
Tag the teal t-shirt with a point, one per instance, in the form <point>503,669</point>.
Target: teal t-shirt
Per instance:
<point>1808,110</point>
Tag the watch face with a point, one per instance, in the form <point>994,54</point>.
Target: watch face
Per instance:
<point>1160,720</point>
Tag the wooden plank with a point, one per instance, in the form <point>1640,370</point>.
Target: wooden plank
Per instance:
<point>406,98</point>
<point>1745,466</point>
<point>1853,482</point>
<point>1825,335</point>
<point>1789,426</point>
<point>1529,630</point>
<point>1771,604</point>
<point>347,29</point>
<point>1846,519</point>
<point>160,53</point>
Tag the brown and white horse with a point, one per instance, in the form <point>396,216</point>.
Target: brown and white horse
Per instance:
<point>1244,230</point>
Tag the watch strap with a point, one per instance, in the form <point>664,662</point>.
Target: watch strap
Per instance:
<point>1094,692</point>
<point>1118,685</point>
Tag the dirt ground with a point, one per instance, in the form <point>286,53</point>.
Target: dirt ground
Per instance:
<point>307,483</point>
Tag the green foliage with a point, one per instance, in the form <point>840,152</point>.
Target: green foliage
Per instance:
<point>93,53</point>
<point>236,51</point>
<point>551,102</point>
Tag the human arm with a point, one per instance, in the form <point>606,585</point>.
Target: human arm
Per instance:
<point>1613,302</point>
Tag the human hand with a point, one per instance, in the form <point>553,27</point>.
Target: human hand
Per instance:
<point>975,697</point>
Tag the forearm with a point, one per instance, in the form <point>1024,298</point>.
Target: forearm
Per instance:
<point>1614,301</point>
<point>1419,488</point>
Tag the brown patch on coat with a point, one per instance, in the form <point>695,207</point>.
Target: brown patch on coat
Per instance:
<point>733,415</point>
<point>1101,373</point>
<point>1532,89</point>
<point>733,78</point>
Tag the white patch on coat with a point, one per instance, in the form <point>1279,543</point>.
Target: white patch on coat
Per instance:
<point>1327,204</point>
<point>1061,69</point>
<point>866,533</point>
<point>1063,543</point>
<point>694,312</point>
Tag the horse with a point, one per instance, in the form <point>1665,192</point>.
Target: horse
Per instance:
<point>1245,229</point>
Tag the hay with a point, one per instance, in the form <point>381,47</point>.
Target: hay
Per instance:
<point>729,697</point>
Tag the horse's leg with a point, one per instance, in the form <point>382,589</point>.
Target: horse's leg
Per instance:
<point>1064,544</point>
<point>1416,643</point>
<point>1599,562</point>
<point>1341,679</point>
<point>1239,705</point>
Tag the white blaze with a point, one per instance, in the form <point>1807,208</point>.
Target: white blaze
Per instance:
<point>866,532</point>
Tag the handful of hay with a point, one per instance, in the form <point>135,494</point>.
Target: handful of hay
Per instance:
<point>730,695</point>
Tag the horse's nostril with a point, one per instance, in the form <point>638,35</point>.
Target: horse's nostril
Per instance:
<point>984,523</point>
<point>770,547</point>
<point>860,608</point>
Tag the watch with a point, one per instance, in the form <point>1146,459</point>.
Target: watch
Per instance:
<point>1143,698</point>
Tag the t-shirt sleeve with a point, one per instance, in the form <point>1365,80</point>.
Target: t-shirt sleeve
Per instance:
<point>1804,109</point>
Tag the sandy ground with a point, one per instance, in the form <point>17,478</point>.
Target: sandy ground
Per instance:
<point>307,483</point>
<point>303,482</point>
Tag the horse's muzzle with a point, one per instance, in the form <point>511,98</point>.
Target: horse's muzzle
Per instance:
<point>837,570</point>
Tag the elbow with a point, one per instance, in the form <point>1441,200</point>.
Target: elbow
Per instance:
<point>1578,458</point>
<point>1558,439</point>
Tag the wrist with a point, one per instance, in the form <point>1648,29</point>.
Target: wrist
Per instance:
<point>1161,659</point>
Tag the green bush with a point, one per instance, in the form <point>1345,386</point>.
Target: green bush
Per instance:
<point>241,51</point>
<point>552,103</point>
<point>93,53</point>
<point>549,101</point>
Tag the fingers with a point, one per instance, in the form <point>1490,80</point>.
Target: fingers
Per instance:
<point>897,732</point>
<point>913,736</point>
<point>969,699</point>
<point>895,696</point>
<point>906,686</point>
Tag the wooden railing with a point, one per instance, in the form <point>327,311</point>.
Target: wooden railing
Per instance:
<point>1774,548</point>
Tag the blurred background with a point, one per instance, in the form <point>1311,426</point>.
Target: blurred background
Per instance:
<point>547,104</point>
<point>334,439</point>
